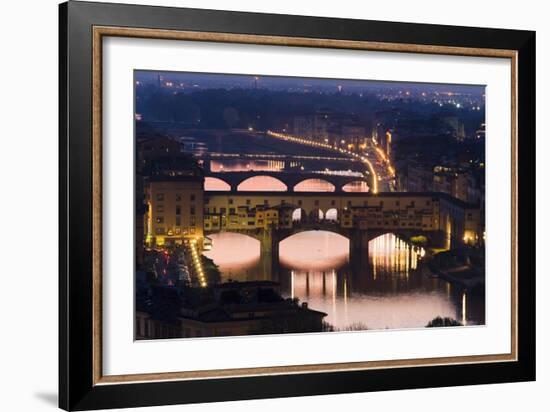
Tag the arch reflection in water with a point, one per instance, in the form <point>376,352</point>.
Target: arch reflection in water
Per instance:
<point>236,255</point>
<point>390,254</point>
<point>389,293</point>
<point>314,249</point>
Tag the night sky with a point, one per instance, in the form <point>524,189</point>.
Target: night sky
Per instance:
<point>228,81</point>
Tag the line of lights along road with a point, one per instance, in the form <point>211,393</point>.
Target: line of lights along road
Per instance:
<point>362,158</point>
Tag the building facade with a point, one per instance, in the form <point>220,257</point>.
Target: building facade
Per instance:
<point>174,209</point>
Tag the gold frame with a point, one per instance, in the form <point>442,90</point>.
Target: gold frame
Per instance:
<point>102,31</point>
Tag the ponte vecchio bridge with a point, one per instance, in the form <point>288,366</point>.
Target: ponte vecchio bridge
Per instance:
<point>272,217</point>
<point>287,178</point>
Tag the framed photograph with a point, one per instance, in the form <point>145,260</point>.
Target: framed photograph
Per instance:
<point>257,205</point>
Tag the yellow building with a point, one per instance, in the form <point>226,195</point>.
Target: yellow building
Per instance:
<point>266,218</point>
<point>174,209</point>
<point>438,213</point>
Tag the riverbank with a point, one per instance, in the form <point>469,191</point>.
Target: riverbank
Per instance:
<point>462,267</point>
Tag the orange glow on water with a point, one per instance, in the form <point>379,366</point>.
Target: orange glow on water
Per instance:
<point>388,253</point>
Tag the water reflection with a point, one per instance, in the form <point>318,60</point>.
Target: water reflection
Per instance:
<point>236,255</point>
<point>239,165</point>
<point>266,183</point>
<point>314,185</point>
<point>356,187</point>
<point>392,292</point>
<point>391,255</point>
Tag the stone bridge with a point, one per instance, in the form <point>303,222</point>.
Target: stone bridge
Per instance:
<point>360,217</point>
<point>271,238</point>
<point>289,179</point>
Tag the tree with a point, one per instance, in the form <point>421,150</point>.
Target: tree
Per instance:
<point>440,322</point>
<point>419,240</point>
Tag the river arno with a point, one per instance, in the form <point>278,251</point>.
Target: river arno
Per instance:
<point>390,293</point>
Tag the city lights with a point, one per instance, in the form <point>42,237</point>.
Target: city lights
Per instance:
<point>286,205</point>
<point>296,139</point>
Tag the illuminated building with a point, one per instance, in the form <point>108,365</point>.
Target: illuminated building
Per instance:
<point>437,215</point>
<point>174,209</point>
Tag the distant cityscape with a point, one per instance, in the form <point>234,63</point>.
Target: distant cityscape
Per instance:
<point>270,205</point>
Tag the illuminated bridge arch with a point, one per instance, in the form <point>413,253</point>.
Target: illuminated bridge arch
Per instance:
<point>314,185</point>
<point>332,214</point>
<point>262,183</point>
<point>316,215</point>
<point>216,184</point>
<point>330,229</point>
<point>299,215</point>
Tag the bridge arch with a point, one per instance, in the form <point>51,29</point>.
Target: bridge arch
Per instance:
<point>314,185</point>
<point>233,250</point>
<point>262,183</point>
<point>332,215</point>
<point>311,228</point>
<point>216,184</point>
<point>315,215</point>
<point>314,249</point>
<point>299,215</point>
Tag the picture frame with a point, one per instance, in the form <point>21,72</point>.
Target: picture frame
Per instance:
<point>83,385</point>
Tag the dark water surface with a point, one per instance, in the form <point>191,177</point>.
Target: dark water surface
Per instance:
<point>390,293</point>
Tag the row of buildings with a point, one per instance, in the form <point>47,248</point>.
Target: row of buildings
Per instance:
<point>463,183</point>
<point>227,309</point>
<point>174,205</point>
<point>337,129</point>
<point>179,209</point>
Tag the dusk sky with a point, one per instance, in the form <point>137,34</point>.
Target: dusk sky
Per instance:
<point>206,80</point>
